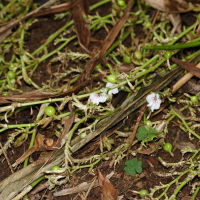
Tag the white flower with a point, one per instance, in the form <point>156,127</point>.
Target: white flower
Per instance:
<point>154,101</point>
<point>98,98</point>
<point>113,91</point>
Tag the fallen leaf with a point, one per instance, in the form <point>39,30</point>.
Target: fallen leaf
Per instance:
<point>187,66</point>
<point>5,34</point>
<point>41,144</point>
<point>68,122</point>
<point>57,8</point>
<point>183,145</point>
<point>150,150</point>
<point>139,185</point>
<point>174,6</point>
<point>80,11</point>
<point>108,191</point>
<point>152,160</point>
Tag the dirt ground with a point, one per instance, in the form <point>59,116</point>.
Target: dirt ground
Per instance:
<point>122,181</point>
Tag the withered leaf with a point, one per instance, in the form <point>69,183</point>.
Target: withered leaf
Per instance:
<point>57,8</point>
<point>174,6</point>
<point>183,145</point>
<point>80,11</point>
<point>67,125</point>
<point>188,66</point>
<point>5,34</point>
<point>108,191</point>
<point>151,149</point>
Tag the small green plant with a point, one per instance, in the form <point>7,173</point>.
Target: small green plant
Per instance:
<point>146,133</point>
<point>133,166</point>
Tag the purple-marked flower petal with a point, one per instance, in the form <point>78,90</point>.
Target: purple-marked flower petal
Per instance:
<point>98,98</point>
<point>154,101</point>
<point>113,91</point>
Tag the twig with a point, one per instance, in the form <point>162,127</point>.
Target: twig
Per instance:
<point>183,80</point>
<point>91,186</point>
<point>7,159</point>
<point>57,8</point>
<point>132,136</point>
<point>154,20</point>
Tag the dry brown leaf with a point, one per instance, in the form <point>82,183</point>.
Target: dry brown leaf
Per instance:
<point>57,8</point>
<point>108,191</point>
<point>174,6</point>
<point>5,34</point>
<point>125,68</point>
<point>67,125</point>
<point>151,149</point>
<point>30,96</point>
<point>41,144</point>
<point>80,11</point>
<point>183,145</point>
<point>188,66</point>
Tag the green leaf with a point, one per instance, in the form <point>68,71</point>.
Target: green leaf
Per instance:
<point>153,131</point>
<point>143,129</point>
<point>142,133</point>
<point>138,167</point>
<point>130,171</point>
<point>133,166</point>
<point>146,134</point>
<point>150,137</point>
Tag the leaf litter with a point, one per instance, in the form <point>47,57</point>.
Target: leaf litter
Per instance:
<point>82,122</point>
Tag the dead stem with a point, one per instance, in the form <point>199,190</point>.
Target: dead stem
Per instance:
<point>132,136</point>
<point>7,159</point>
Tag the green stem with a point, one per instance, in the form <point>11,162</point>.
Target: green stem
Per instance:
<point>183,183</point>
<point>171,183</point>
<point>31,144</point>
<point>184,122</point>
<point>34,183</point>
<point>100,3</point>
<point>195,193</point>
<point>85,166</point>
<point>178,46</point>
<point>74,128</point>
<point>12,126</point>
<point>116,44</point>
<point>54,35</point>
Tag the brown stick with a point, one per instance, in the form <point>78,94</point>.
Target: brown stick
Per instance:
<point>183,80</point>
<point>7,159</point>
<point>187,66</point>
<point>132,136</point>
<point>57,8</point>
<point>154,20</point>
